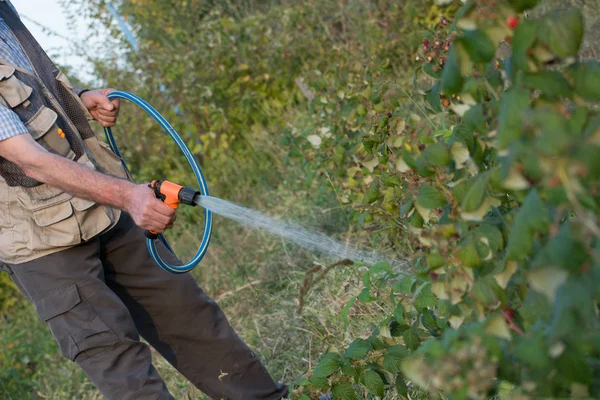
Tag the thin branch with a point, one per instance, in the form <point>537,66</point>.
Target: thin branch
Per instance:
<point>421,110</point>
<point>246,286</point>
<point>308,282</point>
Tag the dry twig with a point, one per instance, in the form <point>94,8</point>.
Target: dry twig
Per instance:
<point>308,282</point>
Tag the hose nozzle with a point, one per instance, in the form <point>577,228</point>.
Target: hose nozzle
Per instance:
<point>171,194</point>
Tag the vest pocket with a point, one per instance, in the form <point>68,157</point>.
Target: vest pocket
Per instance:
<point>44,129</point>
<point>13,92</point>
<point>54,227</point>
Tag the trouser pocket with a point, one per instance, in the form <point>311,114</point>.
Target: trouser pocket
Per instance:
<point>77,328</point>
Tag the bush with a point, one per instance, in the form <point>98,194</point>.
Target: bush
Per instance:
<point>497,183</point>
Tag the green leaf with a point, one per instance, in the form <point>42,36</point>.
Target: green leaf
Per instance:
<point>381,267</point>
<point>359,348</point>
<point>429,197</point>
<point>372,194</point>
<point>460,190</point>
<point>522,41</point>
<point>416,220</point>
<point>463,134</point>
<point>400,385</point>
<point>547,280</point>
<point>319,382</point>
<point>452,80</point>
<point>373,383</point>
<point>346,310</point>
<point>365,295</point>
<point>552,84</point>
<point>397,329</point>
<point>571,364</point>
<point>437,154</point>
<point>587,154</point>
<point>393,357</point>
<point>411,339</point>
<point>405,207</point>
<point>468,254</point>
<point>429,322</point>
<point>330,363</point>
<point>390,180</point>
<point>409,159</point>
<point>535,306</point>
<point>522,5</point>
<point>344,391</point>
<point>474,119</point>
<point>564,251</point>
<point>487,292</point>
<point>433,98</point>
<point>304,397</point>
<point>586,78</point>
<point>425,298</point>
<point>434,261</point>
<point>533,350</point>
<point>562,32</point>
<point>399,314</point>
<point>510,120</point>
<point>554,136</point>
<point>531,219</point>
<point>492,234</point>
<point>478,45</point>
<point>428,69</point>
<point>404,285</point>
<point>476,194</point>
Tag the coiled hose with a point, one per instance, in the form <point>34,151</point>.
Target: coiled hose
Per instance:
<point>197,172</point>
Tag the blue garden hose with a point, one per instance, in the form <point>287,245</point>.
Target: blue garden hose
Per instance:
<point>175,269</point>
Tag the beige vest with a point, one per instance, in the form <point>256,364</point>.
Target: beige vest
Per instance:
<point>42,220</point>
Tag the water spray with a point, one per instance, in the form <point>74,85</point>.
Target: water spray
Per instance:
<point>173,194</point>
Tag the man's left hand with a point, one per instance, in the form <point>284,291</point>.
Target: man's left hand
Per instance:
<point>102,109</point>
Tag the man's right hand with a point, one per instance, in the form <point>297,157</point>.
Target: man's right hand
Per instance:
<point>147,211</point>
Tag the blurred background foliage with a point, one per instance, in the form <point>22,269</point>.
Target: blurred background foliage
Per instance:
<point>274,98</point>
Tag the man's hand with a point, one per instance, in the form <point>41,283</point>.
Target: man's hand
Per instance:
<point>102,109</point>
<point>147,211</point>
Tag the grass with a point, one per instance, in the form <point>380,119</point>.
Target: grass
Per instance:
<point>256,279</point>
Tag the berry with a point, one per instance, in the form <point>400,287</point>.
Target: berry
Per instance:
<point>508,314</point>
<point>512,22</point>
<point>425,44</point>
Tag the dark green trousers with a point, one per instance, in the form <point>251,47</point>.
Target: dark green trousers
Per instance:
<point>99,297</point>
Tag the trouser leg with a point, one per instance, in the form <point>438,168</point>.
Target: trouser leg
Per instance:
<point>90,322</point>
<point>181,321</point>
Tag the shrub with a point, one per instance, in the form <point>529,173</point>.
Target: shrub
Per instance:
<point>497,182</point>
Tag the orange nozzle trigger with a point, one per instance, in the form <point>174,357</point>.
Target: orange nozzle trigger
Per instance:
<point>168,192</point>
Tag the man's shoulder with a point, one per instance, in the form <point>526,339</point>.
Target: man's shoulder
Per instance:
<point>10,5</point>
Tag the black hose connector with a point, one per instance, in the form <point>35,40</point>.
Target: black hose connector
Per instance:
<point>187,194</point>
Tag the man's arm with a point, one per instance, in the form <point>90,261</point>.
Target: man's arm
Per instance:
<point>138,200</point>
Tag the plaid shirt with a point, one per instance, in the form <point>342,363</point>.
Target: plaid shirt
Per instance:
<point>10,51</point>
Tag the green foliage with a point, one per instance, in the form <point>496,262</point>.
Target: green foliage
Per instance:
<point>8,293</point>
<point>494,180</point>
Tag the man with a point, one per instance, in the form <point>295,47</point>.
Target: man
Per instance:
<point>71,236</point>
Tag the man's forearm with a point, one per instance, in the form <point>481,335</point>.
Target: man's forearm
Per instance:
<point>139,201</point>
<point>78,180</point>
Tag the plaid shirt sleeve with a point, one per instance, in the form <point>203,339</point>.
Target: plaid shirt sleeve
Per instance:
<point>10,124</point>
